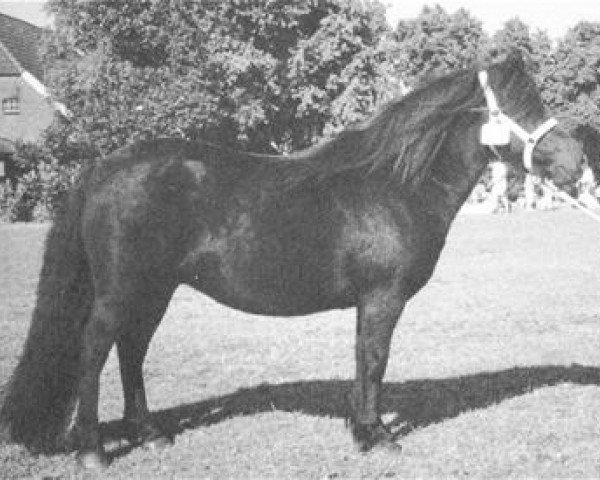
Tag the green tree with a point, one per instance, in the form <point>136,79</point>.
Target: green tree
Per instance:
<point>536,47</point>
<point>267,75</point>
<point>437,42</point>
<point>572,80</point>
<point>340,73</point>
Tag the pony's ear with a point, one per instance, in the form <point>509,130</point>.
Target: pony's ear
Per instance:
<point>483,60</point>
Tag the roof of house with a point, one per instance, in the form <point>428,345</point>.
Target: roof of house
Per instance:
<point>19,47</point>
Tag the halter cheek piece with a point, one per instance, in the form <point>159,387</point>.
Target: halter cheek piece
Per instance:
<point>497,131</point>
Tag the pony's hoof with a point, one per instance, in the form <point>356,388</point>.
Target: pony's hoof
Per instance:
<point>92,460</point>
<point>146,434</point>
<point>381,444</point>
<point>376,435</point>
<point>158,443</point>
<point>388,445</point>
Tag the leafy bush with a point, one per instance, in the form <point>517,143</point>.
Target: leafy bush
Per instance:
<point>8,199</point>
<point>39,187</point>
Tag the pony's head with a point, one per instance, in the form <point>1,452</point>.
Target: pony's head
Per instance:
<point>536,141</point>
<point>559,157</point>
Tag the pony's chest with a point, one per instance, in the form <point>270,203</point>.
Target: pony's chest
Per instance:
<point>382,245</point>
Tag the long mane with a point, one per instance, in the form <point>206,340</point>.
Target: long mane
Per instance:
<point>405,136</point>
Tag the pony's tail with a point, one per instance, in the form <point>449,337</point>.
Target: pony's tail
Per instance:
<point>39,396</point>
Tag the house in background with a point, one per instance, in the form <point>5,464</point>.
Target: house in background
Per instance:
<point>27,108</point>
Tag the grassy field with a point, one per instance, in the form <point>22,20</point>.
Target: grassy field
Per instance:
<point>494,372</point>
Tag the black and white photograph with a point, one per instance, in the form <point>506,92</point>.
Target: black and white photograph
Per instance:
<point>299,239</point>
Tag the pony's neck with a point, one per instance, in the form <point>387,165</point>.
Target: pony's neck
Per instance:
<point>457,169</point>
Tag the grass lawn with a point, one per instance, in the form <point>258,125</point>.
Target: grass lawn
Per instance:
<point>494,371</point>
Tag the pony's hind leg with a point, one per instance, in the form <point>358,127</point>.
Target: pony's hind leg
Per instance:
<point>132,346</point>
<point>98,337</point>
<point>118,315</point>
<point>377,315</point>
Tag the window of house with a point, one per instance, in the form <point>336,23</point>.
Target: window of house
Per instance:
<point>10,106</point>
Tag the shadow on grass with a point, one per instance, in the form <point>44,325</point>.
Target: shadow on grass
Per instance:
<point>416,403</point>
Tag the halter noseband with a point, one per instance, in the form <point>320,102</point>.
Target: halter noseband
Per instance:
<point>497,130</point>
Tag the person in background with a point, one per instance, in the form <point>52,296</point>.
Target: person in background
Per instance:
<point>499,182</point>
<point>529,190</point>
<point>545,200</point>
<point>536,196</point>
<point>586,188</point>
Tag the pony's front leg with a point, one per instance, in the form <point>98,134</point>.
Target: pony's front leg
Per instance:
<point>132,346</point>
<point>98,337</point>
<point>377,314</point>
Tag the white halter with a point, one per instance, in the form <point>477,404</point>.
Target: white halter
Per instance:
<point>497,130</point>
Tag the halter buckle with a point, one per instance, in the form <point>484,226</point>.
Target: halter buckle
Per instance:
<point>495,133</point>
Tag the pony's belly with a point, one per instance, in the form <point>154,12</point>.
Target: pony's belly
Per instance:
<point>271,303</point>
<point>267,290</point>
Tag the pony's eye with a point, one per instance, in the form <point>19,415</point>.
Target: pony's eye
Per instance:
<point>543,161</point>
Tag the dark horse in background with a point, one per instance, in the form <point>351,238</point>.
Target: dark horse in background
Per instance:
<point>358,221</point>
<point>589,138</point>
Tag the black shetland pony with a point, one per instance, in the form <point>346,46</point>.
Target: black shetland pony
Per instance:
<point>589,139</point>
<point>358,221</point>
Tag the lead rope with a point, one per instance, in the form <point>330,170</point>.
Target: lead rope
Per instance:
<point>549,186</point>
<point>497,132</point>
